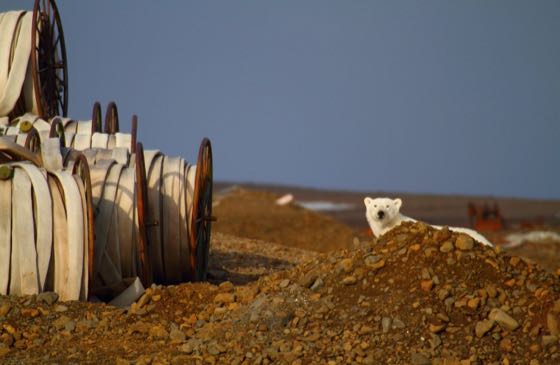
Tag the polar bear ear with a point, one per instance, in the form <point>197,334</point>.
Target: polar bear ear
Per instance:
<point>367,200</point>
<point>398,203</point>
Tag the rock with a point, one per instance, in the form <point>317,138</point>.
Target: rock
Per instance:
<point>70,326</point>
<point>552,323</point>
<point>226,286</point>
<point>346,265</point>
<point>349,280</point>
<point>506,345</point>
<point>176,335</point>
<point>482,327</point>
<point>4,350</point>
<point>549,341</point>
<point>473,303</point>
<point>308,279</point>
<point>318,284</point>
<point>374,262</point>
<point>61,322</point>
<point>464,242</point>
<point>427,285</point>
<point>447,246</point>
<point>436,328</point>
<point>224,298</point>
<point>158,331</point>
<point>47,297</point>
<point>503,319</point>
<point>60,308</point>
<point>284,283</point>
<point>417,358</point>
<point>4,309</point>
<point>121,361</point>
<point>386,324</point>
<point>397,323</point>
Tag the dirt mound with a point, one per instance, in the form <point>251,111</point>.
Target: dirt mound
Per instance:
<point>254,214</point>
<point>417,296</point>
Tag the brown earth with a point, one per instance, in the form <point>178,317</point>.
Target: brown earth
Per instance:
<point>415,296</point>
<point>254,214</point>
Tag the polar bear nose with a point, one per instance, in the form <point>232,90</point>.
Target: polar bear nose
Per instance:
<point>380,214</point>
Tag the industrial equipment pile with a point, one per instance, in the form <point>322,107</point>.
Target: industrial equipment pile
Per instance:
<point>85,210</point>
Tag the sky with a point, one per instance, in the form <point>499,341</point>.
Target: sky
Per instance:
<point>428,96</point>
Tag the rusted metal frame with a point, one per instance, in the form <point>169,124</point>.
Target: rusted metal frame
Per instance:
<point>96,118</point>
<point>111,118</point>
<point>47,37</point>
<point>142,209</point>
<point>201,213</point>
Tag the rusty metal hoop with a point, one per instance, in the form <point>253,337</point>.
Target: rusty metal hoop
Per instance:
<point>201,220</point>
<point>57,131</point>
<point>96,118</point>
<point>142,209</point>
<point>111,118</point>
<point>49,66</point>
<point>81,168</point>
<point>33,141</point>
<point>133,133</point>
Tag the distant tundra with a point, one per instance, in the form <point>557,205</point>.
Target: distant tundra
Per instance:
<point>383,214</point>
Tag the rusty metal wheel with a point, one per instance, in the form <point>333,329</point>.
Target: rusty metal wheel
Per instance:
<point>142,207</point>
<point>111,118</point>
<point>201,222</point>
<point>49,65</point>
<point>96,118</point>
<point>81,168</point>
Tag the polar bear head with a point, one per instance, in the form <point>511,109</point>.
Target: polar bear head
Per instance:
<point>382,209</point>
<point>382,213</point>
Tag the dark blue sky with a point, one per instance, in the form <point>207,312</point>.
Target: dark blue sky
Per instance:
<point>420,96</point>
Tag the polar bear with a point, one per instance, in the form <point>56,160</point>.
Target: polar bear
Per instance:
<point>383,214</point>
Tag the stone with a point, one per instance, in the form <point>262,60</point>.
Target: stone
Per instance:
<point>464,242</point>
<point>176,335</point>
<point>158,331</point>
<point>346,265</point>
<point>60,308</point>
<point>473,303</point>
<point>308,279</point>
<point>226,286</point>
<point>284,283</point>
<point>548,341</point>
<point>5,309</point>
<point>349,280</point>
<point>427,285</point>
<point>417,358</point>
<point>552,323</point>
<point>224,298</point>
<point>447,246</point>
<point>386,324</point>
<point>503,319</point>
<point>47,297</point>
<point>318,284</point>
<point>482,327</point>
<point>374,262</point>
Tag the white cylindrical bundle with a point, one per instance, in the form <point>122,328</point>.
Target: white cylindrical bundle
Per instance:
<point>15,54</point>
<point>170,204</point>
<point>43,220</point>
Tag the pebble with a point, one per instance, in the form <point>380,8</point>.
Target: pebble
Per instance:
<point>47,297</point>
<point>346,265</point>
<point>503,319</point>
<point>349,280</point>
<point>224,298</point>
<point>447,246</point>
<point>318,284</point>
<point>176,335</point>
<point>4,309</point>
<point>374,262</point>
<point>549,340</point>
<point>284,283</point>
<point>464,242</point>
<point>552,323</point>
<point>386,324</point>
<point>60,308</point>
<point>419,359</point>
<point>482,327</point>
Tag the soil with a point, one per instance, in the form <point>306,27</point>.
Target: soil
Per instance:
<point>415,296</point>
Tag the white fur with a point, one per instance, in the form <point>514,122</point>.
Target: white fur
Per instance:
<point>383,214</point>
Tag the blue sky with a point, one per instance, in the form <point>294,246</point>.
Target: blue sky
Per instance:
<point>414,96</point>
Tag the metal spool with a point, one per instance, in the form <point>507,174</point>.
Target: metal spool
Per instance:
<point>202,213</point>
<point>48,60</point>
